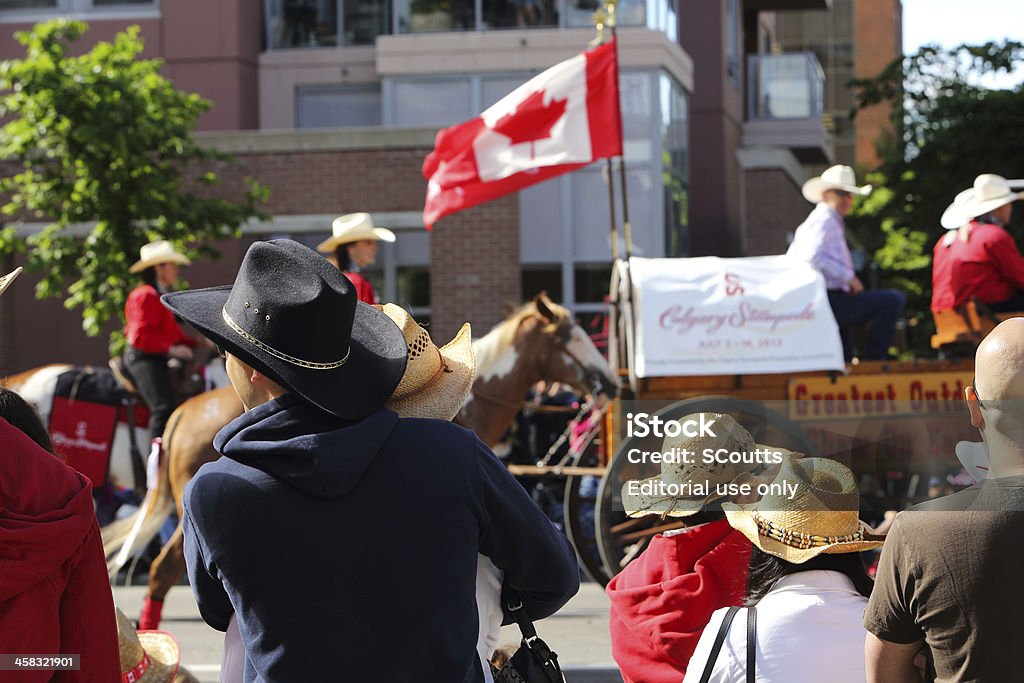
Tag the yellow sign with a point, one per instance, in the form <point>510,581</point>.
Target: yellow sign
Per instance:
<point>857,396</point>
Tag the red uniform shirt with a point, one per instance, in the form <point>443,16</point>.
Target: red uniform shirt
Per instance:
<point>987,267</point>
<point>364,290</point>
<point>151,327</point>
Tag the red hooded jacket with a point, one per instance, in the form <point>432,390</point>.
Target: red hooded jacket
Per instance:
<point>54,592</point>
<point>662,600</point>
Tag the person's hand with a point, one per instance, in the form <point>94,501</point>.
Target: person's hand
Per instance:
<point>180,351</point>
<point>855,285</point>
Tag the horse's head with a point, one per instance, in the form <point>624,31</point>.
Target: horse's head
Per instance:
<point>565,352</point>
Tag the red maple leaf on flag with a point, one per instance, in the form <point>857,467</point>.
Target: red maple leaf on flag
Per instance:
<point>532,120</point>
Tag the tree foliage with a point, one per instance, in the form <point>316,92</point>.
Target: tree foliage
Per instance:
<point>951,125</point>
<point>103,140</point>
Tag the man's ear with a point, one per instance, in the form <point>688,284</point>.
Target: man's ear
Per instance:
<point>974,408</point>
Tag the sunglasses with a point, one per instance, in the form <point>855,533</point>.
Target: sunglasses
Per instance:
<point>974,386</point>
<point>843,194</point>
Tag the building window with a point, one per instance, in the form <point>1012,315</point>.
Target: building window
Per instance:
<point>302,23</point>
<point>733,27</point>
<point>337,106</point>
<point>422,16</point>
<point>364,20</point>
<point>591,281</point>
<point>519,13</point>
<point>432,102</point>
<point>542,277</point>
<point>675,171</point>
<point>70,6</point>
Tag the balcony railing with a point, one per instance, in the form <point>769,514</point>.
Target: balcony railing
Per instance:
<point>787,86</point>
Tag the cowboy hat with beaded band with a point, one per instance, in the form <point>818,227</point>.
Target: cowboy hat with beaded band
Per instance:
<point>294,317</point>
<point>353,227</point>
<point>835,178</point>
<point>8,279</point>
<point>436,380</point>
<point>155,253</point>
<point>821,516</point>
<point>149,656</point>
<point>730,436</point>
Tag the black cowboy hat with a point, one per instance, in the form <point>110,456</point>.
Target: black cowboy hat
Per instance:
<point>294,317</point>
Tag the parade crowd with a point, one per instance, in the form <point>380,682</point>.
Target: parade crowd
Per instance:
<point>345,472</point>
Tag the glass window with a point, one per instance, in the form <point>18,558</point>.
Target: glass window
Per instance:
<point>542,278</point>
<point>495,88</point>
<point>302,23</point>
<point>733,20</point>
<point>592,281</point>
<point>413,285</point>
<point>520,13</point>
<point>580,13</point>
<point>104,3</point>
<point>418,16</point>
<point>675,165</point>
<point>27,4</point>
<point>635,96</point>
<point>595,323</point>
<point>541,221</point>
<point>337,106</point>
<point>434,102</point>
<point>364,20</point>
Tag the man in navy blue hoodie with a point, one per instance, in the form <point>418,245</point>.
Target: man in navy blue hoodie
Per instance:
<point>344,538</point>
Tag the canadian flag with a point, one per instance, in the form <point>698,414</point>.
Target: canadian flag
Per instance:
<point>557,122</point>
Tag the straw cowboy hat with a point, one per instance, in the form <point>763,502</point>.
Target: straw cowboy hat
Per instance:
<point>729,435</point>
<point>436,380</point>
<point>353,227</point>
<point>6,280</point>
<point>295,317</point>
<point>149,656</point>
<point>822,516</point>
<point>158,252</point>
<point>835,178</point>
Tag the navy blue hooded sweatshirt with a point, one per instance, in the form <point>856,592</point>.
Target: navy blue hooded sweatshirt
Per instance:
<point>348,550</point>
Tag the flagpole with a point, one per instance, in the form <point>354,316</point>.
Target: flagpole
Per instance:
<point>600,19</point>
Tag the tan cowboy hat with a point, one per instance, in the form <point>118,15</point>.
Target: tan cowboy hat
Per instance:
<point>953,217</point>
<point>6,280</point>
<point>149,656</point>
<point>436,380</point>
<point>821,517</point>
<point>155,253</point>
<point>835,178</point>
<point>353,227</point>
<point>729,435</point>
<point>990,192</point>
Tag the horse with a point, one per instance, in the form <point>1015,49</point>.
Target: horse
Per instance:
<point>539,341</point>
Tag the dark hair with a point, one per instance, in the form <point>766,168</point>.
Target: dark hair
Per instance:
<point>342,257</point>
<point>149,276</point>
<point>20,414</point>
<point>766,569</point>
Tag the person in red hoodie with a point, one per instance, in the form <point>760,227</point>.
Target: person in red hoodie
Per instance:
<point>55,596</point>
<point>662,600</point>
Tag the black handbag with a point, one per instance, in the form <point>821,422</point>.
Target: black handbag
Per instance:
<point>723,631</point>
<point>534,661</point>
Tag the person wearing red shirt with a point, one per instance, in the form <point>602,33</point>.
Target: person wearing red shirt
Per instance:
<point>55,595</point>
<point>353,244</point>
<point>981,260</point>
<point>153,334</point>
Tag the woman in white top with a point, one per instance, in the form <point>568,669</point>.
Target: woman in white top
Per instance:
<point>806,584</point>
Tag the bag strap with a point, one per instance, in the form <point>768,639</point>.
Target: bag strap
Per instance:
<point>723,631</point>
<point>542,654</point>
<point>751,643</point>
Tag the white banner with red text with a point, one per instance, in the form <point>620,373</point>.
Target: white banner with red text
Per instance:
<point>716,316</point>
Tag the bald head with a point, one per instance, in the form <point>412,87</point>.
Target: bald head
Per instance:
<point>999,363</point>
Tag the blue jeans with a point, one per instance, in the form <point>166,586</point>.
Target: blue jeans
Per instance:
<point>882,308</point>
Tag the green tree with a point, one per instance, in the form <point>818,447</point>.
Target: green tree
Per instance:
<point>104,140</point>
<point>951,125</point>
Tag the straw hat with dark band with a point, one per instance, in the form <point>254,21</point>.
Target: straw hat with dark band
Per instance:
<point>155,253</point>
<point>353,227</point>
<point>6,280</point>
<point>149,656</point>
<point>822,516</point>
<point>436,380</point>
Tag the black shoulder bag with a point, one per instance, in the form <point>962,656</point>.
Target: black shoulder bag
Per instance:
<point>723,631</point>
<point>534,661</point>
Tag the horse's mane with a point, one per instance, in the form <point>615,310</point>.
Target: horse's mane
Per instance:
<point>489,348</point>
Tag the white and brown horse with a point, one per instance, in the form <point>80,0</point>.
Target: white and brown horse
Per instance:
<point>540,341</point>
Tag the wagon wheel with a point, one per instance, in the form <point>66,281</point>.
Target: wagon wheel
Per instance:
<point>580,509</point>
<point>621,538</point>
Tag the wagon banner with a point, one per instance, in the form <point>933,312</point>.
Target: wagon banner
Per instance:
<point>715,316</point>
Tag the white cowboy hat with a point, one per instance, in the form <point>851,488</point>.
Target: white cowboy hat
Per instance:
<point>953,217</point>
<point>155,253</point>
<point>820,516</point>
<point>6,280</point>
<point>835,178</point>
<point>436,380</point>
<point>990,192</point>
<point>353,227</point>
